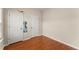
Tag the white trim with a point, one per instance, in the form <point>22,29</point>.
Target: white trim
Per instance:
<point>30,37</point>
<point>1,44</point>
<point>2,47</point>
<point>26,39</point>
<point>61,41</point>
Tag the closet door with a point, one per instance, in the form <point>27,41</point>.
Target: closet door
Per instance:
<point>35,25</point>
<point>32,25</point>
<point>15,26</point>
<point>27,28</point>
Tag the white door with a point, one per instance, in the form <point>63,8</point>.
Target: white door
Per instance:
<point>15,26</point>
<point>28,31</point>
<point>35,25</point>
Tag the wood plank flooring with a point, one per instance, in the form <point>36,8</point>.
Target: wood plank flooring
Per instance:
<point>38,43</point>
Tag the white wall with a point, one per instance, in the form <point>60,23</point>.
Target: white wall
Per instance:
<point>1,29</point>
<point>62,24</point>
<point>0,22</point>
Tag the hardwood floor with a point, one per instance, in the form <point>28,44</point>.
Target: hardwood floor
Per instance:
<point>38,43</point>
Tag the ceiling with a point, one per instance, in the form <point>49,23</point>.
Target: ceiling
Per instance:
<point>41,9</point>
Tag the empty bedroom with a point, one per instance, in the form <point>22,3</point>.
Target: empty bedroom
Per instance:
<point>39,28</point>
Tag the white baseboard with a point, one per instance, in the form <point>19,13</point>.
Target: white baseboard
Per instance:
<point>26,39</point>
<point>30,37</point>
<point>1,48</point>
<point>61,41</point>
